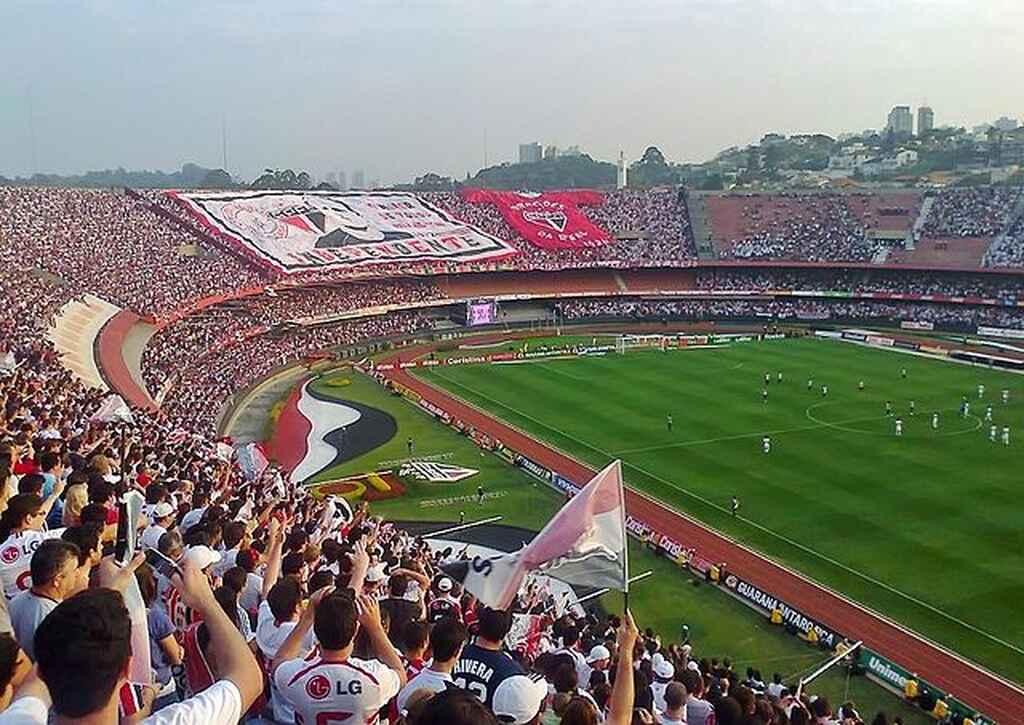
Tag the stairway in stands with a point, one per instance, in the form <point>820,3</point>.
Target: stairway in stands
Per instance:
<point>699,225</point>
<point>922,217</point>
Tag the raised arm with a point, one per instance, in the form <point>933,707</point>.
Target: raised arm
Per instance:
<point>235,661</point>
<point>273,555</point>
<point>291,648</point>
<point>623,695</point>
<point>369,618</point>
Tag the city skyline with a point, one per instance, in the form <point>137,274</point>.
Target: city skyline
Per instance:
<point>151,87</point>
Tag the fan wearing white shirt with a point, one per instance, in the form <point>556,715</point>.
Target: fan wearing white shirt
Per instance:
<point>447,639</point>
<point>84,647</point>
<point>675,705</point>
<point>351,690</point>
<point>570,637</point>
<point>236,538</point>
<point>163,515</point>
<point>663,671</point>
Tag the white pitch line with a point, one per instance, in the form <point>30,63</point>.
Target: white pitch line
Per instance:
<point>820,425</point>
<point>562,372</point>
<point>764,529</point>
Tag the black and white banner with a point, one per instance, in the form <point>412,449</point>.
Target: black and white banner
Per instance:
<point>298,231</point>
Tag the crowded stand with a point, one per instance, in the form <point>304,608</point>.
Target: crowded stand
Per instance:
<point>979,211</point>
<point>807,227</point>
<point>1008,250</point>
<point>654,226</point>
<point>953,316</point>
<point>179,344</point>
<point>863,281</point>
<point>100,242</point>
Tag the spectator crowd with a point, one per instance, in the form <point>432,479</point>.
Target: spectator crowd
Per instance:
<point>806,227</point>
<point>178,345</point>
<point>952,316</point>
<point>863,281</point>
<point>978,211</point>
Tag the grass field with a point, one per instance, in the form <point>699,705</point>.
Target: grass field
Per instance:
<point>925,528</point>
<point>719,625</point>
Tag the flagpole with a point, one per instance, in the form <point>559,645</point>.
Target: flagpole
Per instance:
<point>462,527</point>
<point>626,549</point>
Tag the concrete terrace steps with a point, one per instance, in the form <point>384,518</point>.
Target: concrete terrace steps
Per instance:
<point>74,332</point>
<point>699,226</point>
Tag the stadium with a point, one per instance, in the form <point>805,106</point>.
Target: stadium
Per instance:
<point>815,398</point>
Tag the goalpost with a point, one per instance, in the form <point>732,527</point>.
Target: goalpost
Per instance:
<point>640,342</point>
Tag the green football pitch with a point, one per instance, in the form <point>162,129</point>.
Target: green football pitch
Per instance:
<point>925,527</point>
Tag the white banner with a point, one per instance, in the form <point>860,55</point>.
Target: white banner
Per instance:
<point>915,325</point>
<point>1001,332</point>
<point>298,231</point>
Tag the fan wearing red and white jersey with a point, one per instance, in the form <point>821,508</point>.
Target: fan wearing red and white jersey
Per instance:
<point>335,687</point>
<point>21,533</point>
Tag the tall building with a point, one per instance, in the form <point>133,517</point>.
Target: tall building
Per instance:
<point>620,177</point>
<point>342,181</point>
<point>1005,124</point>
<point>530,153</point>
<point>925,120</point>
<point>900,120</point>
<point>358,179</point>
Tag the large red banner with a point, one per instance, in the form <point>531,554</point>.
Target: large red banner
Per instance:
<point>551,219</point>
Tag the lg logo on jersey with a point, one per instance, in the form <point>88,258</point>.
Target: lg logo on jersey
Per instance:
<point>318,687</point>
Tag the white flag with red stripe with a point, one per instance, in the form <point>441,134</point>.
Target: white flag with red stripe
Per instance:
<point>113,410</point>
<point>584,544</point>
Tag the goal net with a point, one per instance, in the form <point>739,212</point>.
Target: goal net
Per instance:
<point>639,342</point>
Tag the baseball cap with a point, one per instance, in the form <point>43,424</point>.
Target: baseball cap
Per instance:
<point>444,584</point>
<point>663,668</point>
<point>201,556</point>
<point>597,653</point>
<point>163,510</point>
<point>518,699</point>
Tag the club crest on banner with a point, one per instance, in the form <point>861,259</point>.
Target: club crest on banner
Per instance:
<point>302,230</point>
<point>553,219</point>
<point>436,472</point>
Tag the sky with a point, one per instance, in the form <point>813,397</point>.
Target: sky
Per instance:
<point>399,88</point>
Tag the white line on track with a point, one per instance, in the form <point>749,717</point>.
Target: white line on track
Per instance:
<point>764,529</point>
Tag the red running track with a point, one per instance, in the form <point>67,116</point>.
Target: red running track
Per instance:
<point>978,688</point>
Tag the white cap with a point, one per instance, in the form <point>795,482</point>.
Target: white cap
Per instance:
<point>518,699</point>
<point>597,653</point>
<point>201,556</point>
<point>444,584</point>
<point>663,668</point>
<point>691,665</point>
<point>163,510</point>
